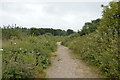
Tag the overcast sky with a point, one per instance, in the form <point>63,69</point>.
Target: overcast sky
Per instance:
<point>58,15</point>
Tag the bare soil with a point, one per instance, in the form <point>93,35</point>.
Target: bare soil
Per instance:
<point>66,66</point>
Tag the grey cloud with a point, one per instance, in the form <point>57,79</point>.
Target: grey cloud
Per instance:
<point>61,15</point>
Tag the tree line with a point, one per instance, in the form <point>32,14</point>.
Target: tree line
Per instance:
<point>89,27</point>
<point>14,31</point>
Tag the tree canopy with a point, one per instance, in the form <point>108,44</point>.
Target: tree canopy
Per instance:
<point>89,27</point>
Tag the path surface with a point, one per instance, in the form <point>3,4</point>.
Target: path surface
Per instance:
<point>64,66</point>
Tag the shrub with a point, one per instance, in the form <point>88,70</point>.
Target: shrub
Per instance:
<point>27,57</point>
<point>100,48</point>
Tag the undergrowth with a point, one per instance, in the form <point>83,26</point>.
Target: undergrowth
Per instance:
<point>23,58</point>
<point>101,47</point>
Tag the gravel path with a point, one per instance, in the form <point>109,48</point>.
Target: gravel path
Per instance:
<point>64,66</point>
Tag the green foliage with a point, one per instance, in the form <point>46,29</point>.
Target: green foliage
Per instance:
<point>100,48</point>
<point>69,38</point>
<point>24,58</point>
<point>26,52</point>
<point>16,32</point>
<point>12,33</point>
<point>89,27</point>
<point>69,31</point>
<point>41,31</point>
<point>97,51</point>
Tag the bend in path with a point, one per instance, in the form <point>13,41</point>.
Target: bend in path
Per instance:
<point>64,66</point>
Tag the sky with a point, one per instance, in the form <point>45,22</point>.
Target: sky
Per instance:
<point>50,14</point>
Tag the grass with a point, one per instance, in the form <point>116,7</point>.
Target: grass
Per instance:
<point>26,57</point>
<point>97,50</point>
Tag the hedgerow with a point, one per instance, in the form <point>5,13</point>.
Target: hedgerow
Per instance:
<point>24,58</point>
<point>101,48</point>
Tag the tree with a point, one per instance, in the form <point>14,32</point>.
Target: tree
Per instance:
<point>110,23</point>
<point>69,31</point>
<point>89,27</point>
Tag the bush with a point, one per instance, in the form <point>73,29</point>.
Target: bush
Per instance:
<point>100,48</point>
<point>24,58</point>
<point>97,51</point>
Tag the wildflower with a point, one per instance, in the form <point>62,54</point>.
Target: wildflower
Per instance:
<point>14,43</point>
<point>1,49</point>
<point>20,48</point>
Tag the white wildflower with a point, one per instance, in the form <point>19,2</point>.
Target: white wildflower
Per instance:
<point>20,48</point>
<point>1,49</point>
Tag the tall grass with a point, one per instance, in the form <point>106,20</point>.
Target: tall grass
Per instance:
<point>97,50</point>
<point>23,58</point>
<point>101,48</point>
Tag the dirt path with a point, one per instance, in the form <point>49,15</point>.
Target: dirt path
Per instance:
<point>64,66</point>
